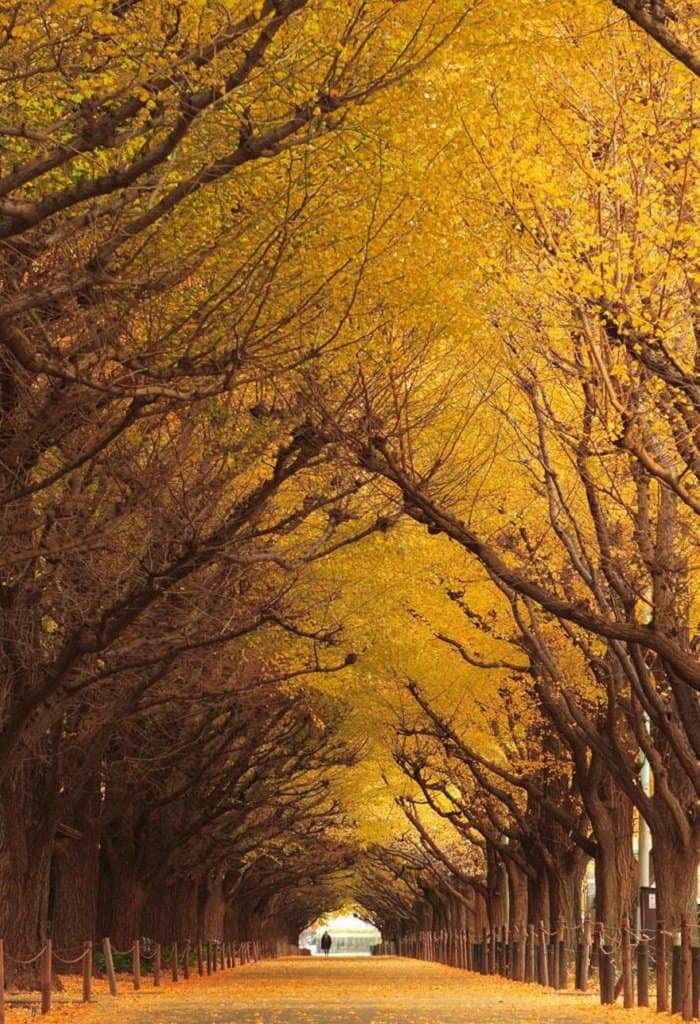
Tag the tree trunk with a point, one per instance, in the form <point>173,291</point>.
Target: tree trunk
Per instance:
<point>74,907</point>
<point>565,889</point>
<point>170,912</point>
<point>128,896</point>
<point>676,875</point>
<point>214,908</point>
<point>26,832</point>
<point>615,873</point>
<point>518,887</point>
<point>538,895</point>
<point>232,927</point>
<point>496,885</point>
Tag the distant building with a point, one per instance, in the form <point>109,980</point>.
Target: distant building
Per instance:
<point>351,935</point>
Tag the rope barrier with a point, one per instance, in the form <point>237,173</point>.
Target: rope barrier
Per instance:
<point>25,963</point>
<point>252,948</point>
<point>123,952</point>
<point>75,960</point>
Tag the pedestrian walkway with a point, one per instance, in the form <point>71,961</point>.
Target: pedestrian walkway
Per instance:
<point>376,990</point>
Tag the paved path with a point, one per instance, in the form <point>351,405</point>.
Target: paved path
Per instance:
<point>383,990</point>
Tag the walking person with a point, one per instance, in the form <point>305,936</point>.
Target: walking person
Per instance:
<point>326,943</point>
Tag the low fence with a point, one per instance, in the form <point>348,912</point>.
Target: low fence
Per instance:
<point>144,956</point>
<point>622,962</point>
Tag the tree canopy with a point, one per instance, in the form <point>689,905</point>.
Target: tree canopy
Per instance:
<point>348,462</point>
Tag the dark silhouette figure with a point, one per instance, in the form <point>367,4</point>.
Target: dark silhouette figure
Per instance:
<point>326,943</point>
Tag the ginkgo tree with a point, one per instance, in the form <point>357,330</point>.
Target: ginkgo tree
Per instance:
<point>187,222</point>
<point>579,209</point>
<point>281,285</point>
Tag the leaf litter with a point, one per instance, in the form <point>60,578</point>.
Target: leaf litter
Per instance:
<point>337,990</point>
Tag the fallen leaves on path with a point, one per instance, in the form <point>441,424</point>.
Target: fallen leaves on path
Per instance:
<point>334,991</point>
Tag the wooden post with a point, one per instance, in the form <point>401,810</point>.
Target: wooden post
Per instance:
<point>600,959</point>
<point>521,953</point>
<point>531,962</point>
<point>173,961</point>
<point>676,973</point>
<point>582,983</point>
<point>46,978</point>
<point>643,970</point>
<point>661,968</point>
<point>136,964</point>
<point>200,958</point>
<point>578,966</point>
<point>556,968</point>
<point>606,969</point>
<point>109,964</point>
<point>156,964</point>
<point>627,978</point>
<point>544,966</point>
<point>2,981</point>
<point>696,981</point>
<point>536,953</point>
<point>686,970</point>
<point>186,961</point>
<point>561,955</point>
<point>87,972</point>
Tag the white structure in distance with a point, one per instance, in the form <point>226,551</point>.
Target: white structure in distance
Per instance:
<point>351,934</point>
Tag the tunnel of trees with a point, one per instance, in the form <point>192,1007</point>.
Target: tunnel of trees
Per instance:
<point>349,462</point>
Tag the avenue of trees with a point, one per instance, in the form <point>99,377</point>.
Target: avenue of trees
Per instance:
<point>584,521</point>
<point>283,284</point>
